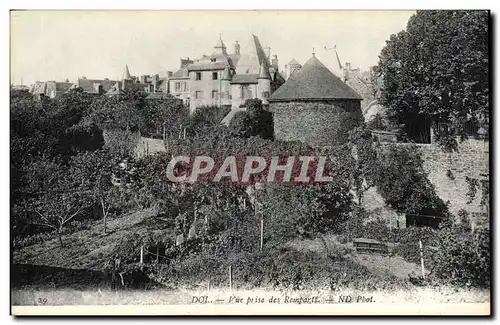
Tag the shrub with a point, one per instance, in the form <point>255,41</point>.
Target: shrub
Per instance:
<point>464,258</point>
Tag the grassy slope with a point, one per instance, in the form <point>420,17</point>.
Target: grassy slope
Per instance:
<point>85,249</point>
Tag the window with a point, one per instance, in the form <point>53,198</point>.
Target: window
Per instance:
<point>186,88</point>
<point>198,94</point>
<point>215,75</point>
<point>246,92</point>
<point>265,94</point>
<point>215,94</point>
<point>198,75</point>
<point>213,59</point>
<point>177,86</point>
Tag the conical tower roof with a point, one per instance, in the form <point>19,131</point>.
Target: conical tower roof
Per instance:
<point>252,57</point>
<point>220,47</point>
<point>126,73</point>
<point>314,82</point>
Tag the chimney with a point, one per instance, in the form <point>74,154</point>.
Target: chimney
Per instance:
<point>274,61</point>
<point>237,48</point>
<point>348,66</point>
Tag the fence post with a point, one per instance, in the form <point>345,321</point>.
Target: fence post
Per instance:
<point>142,255</point>
<point>157,254</point>
<point>261,232</point>
<point>422,258</point>
<point>230,278</point>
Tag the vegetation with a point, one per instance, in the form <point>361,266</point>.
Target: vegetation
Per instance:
<point>73,169</point>
<point>437,71</point>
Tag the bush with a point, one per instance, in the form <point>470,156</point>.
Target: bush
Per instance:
<point>408,243</point>
<point>20,242</point>
<point>464,258</point>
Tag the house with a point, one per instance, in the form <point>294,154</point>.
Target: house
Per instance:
<point>178,82</point>
<point>50,89</point>
<point>144,83</point>
<point>292,67</point>
<point>314,106</point>
<point>94,86</point>
<point>227,79</point>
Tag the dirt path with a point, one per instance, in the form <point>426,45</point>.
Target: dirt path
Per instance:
<point>378,264</point>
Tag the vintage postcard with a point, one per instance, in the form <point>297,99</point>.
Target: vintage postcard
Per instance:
<point>250,162</point>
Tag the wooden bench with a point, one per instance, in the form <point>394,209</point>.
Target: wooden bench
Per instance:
<point>370,246</point>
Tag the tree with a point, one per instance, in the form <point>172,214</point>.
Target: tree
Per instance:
<point>402,181</point>
<point>165,116</point>
<point>53,199</point>
<point>93,172</point>
<point>255,121</point>
<point>365,164</point>
<point>437,70</point>
<point>125,111</point>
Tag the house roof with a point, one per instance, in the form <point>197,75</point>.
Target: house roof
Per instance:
<point>203,66</point>
<point>58,86</point>
<point>314,82</point>
<point>118,85</point>
<point>245,79</point>
<point>180,74</point>
<point>126,73</point>
<point>252,58</point>
<point>88,84</point>
<point>293,62</point>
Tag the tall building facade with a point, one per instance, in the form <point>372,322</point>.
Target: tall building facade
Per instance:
<point>227,79</point>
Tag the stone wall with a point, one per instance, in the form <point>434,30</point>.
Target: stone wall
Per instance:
<point>318,123</point>
<point>447,171</point>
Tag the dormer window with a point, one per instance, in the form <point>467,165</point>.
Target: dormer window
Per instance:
<point>213,60</point>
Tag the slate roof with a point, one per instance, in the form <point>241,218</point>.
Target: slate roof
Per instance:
<point>204,66</point>
<point>58,86</point>
<point>245,79</point>
<point>118,86</point>
<point>180,74</point>
<point>314,82</point>
<point>88,84</point>
<point>294,63</point>
<point>253,57</point>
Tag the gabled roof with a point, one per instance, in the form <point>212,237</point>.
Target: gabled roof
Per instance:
<point>314,82</point>
<point>180,74</point>
<point>88,84</point>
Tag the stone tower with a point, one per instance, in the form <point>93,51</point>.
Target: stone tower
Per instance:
<point>264,84</point>
<point>314,106</point>
<point>226,87</point>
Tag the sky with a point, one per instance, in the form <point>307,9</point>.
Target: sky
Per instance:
<point>55,45</point>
